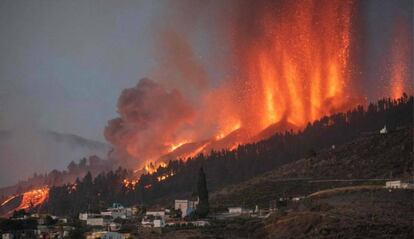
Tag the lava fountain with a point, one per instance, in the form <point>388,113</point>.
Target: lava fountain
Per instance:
<point>296,60</point>
<point>292,63</point>
<point>401,53</point>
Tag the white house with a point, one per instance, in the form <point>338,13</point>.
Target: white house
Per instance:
<point>98,221</point>
<point>297,199</point>
<point>235,210</point>
<point>159,222</point>
<point>147,221</point>
<point>399,184</point>
<point>86,215</point>
<point>239,210</point>
<point>156,213</point>
<point>185,206</point>
<point>7,236</point>
<point>384,130</point>
<point>118,211</point>
<point>393,184</point>
<point>200,223</point>
<point>83,216</point>
<point>153,221</point>
<point>93,219</point>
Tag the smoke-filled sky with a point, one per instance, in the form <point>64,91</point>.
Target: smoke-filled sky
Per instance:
<point>64,64</point>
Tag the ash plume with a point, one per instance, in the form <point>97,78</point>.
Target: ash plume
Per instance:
<point>259,68</point>
<point>150,118</point>
<point>178,64</point>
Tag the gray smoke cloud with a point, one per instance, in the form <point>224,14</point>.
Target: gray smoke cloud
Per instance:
<point>26,151</point>
<point>150,118</point>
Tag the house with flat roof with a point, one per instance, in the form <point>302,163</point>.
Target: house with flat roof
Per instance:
<point>399,184</point>
<point>185,206</point>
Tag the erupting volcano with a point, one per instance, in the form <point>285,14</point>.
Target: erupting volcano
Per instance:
<point>217,107</point>
<point>292,64</point>
<point>296,63</point>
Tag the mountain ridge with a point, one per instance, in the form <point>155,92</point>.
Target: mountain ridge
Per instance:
<point>25,152</point>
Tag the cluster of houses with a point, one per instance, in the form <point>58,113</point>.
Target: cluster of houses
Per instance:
<point>183,209</point>
<point>107,217</point>
<point>47,226</point>
<point>104,223</point>
<point>106,226</point>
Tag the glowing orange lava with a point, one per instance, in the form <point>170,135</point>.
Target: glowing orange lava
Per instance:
<point>290,64</point>
<point>196,151</point>
<point>177,145</point>
<point>227,130</point>
<point>130,183</point>
<point>297,66</point>
<point>400,57</point>
<point>151,167</point>
<point>33,198</point>
<point>163,177</point>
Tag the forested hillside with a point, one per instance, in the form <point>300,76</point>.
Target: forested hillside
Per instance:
<point>228,167</point>
<point>369,159</point>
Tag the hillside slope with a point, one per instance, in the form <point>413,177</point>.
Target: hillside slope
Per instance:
<point>231,167</point>
<point>369,156</point>
<point>360,161</point>
<point>358,212</point>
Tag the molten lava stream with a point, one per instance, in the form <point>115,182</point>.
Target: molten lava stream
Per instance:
<point>34,198</point>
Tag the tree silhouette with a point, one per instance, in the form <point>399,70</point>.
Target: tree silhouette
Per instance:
<point>203,206</point>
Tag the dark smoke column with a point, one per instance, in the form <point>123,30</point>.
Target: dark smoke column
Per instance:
<point>150,119</point>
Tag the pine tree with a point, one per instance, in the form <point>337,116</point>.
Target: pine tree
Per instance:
<point>203,206</point>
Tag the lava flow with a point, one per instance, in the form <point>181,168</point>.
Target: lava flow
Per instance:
<point>34,198</point>
<point>27,200</point>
